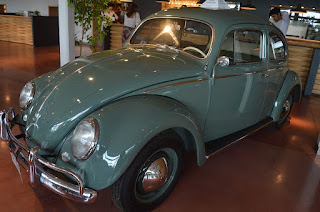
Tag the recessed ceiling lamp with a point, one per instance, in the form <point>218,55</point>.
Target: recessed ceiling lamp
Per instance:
<point>248,6</point>
<point>298,10</point>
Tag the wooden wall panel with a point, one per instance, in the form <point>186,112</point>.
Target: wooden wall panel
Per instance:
<point>316,87</point>
<point>116,35</point>
<point>16,29</point>
<point>300,59</point>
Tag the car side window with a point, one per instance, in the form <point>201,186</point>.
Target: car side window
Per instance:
<point>243,46</point>
<point>276,47</point>
<point>227,47</point>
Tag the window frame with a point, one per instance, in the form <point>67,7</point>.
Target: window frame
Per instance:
<point>262,44</point>
<point>284,46</point>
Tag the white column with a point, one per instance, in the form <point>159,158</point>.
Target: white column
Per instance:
<point>66,32</point>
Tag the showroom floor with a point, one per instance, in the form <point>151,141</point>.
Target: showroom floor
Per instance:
<point>271,170</point>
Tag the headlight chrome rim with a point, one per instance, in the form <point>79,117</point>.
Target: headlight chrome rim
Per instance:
<point>95,125</point>
<point>28,103</point>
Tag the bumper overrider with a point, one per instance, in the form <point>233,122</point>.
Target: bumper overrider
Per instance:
<point>32,162</point>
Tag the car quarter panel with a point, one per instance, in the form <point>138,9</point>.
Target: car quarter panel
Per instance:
<point>291,83</point>
<point>125,127</point>
<point>277,52</point>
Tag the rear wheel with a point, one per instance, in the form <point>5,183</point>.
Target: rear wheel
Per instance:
<point>286,110</point>
<point>151,176</point>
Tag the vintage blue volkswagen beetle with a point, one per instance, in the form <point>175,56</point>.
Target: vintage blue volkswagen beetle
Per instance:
<point>187,79</point>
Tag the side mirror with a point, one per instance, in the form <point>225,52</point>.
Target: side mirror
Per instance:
<point>223,61</point>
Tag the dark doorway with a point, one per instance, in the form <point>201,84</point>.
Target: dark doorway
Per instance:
<point>3,8</point>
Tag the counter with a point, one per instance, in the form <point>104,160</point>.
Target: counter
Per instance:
<point>16,29</point>
<point>304,58</point>
<point>116,36</point>
<point>35,30</point>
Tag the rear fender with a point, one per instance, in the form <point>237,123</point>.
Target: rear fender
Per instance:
<point>292,84</point>
<point>125,127</point>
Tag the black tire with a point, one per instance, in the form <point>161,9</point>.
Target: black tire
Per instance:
<point>128,192</point>
<point>286,110</point>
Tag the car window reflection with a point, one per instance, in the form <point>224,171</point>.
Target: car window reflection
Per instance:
<point>191,36</point>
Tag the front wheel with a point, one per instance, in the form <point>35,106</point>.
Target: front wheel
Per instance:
<point>151,176</point>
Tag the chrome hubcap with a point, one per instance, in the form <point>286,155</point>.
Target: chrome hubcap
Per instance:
<point>285,109</point>
<point>156,175</point>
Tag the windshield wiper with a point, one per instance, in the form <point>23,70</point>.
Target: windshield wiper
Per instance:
<point>165,46</point>
<point>136,45</point>
<point>162,46</point>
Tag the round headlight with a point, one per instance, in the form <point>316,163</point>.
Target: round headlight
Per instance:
<point>26,95</point>
<point>84,139</point>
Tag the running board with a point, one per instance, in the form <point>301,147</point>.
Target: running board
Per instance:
<point>216,145</point>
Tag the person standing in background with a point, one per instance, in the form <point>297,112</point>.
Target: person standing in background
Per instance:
<point>131,20</point>
<point>111,14</point>
<point>280,19</point>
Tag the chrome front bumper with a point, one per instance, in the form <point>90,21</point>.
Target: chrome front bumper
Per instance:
<point>32,162</point>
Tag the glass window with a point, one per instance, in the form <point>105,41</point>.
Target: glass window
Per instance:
<point>303,25</point>
<point>243,46</point>
<point>227,47</point>
<point>276,47</point>
<point>190,36</point>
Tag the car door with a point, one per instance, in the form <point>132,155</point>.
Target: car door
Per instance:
<point>278,66</point>
<point>238,90</point>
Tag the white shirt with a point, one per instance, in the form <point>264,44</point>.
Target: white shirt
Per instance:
<point>282,24</point>
<point>133,21</point>
<point>112,15</point>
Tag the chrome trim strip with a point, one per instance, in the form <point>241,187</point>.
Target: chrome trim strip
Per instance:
<point>235,141</point>
<point>71,191</point>
<point>242,74</point>
<point>175,84</point>
<point>277,69</point>
<point>274,69</point>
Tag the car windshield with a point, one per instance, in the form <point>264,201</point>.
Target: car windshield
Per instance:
<point>191,36</point>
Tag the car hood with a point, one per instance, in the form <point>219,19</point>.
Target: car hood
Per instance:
<point>67,95</point>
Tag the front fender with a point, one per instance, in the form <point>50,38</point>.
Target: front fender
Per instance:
<point>125,127</point>
<point>291,83</point>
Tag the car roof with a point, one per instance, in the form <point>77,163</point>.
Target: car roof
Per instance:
<point>213,17</point>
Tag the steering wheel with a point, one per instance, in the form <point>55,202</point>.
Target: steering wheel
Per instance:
<point>194,49</point>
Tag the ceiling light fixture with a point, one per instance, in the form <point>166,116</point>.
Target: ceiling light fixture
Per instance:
<point>248,6</point>
<point>298,9</point>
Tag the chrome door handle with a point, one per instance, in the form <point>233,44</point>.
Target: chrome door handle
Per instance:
<point>264,75</point>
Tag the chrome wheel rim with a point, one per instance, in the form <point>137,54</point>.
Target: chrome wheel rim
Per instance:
<point>285,109</point>
<point>156,175</point>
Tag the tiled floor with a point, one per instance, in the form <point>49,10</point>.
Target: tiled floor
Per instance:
<point>271,170</point>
